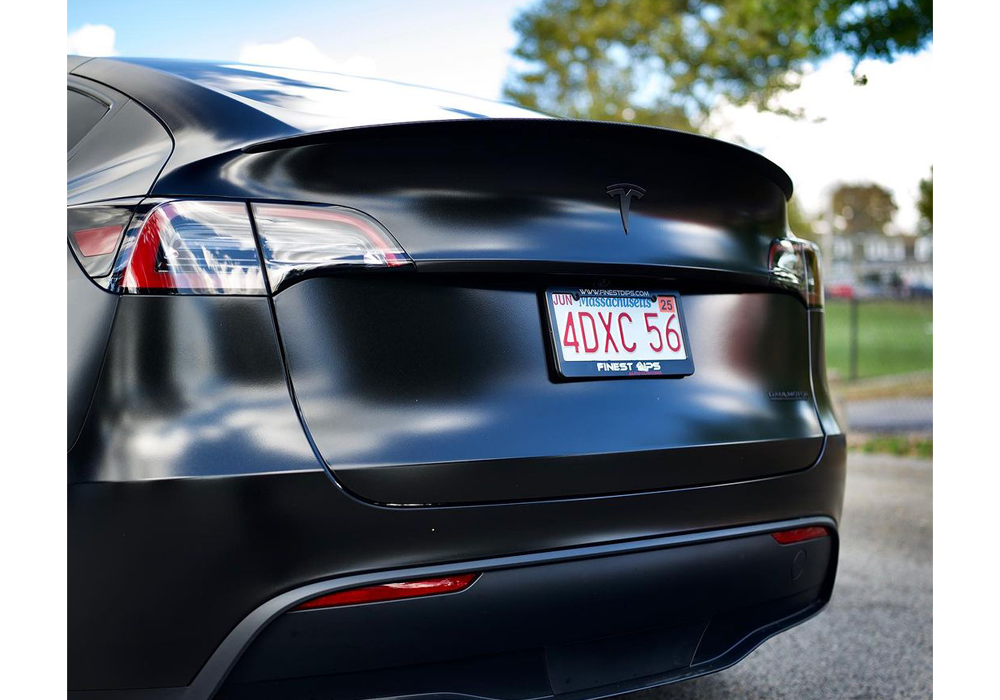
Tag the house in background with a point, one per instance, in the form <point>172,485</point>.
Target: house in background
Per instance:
<point>878,265</point>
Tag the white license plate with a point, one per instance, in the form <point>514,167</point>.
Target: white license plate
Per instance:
<point>618,333</point>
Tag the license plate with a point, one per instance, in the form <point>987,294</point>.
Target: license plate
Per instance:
<point>617,333</point>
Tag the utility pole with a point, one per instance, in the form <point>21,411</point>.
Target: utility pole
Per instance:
<point>854,336</point>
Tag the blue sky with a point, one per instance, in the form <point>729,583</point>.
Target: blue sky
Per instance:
<point>877,133</point>
<point>454,44</point>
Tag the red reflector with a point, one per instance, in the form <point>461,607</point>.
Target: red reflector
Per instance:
<point>390,591</point>
<point>800,535</point>
<point>97,241</point>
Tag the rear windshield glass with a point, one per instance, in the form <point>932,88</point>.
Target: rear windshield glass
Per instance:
<point>313,100</point>
<point>83,113</point>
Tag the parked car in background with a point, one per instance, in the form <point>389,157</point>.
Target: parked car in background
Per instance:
<point>840,291</point>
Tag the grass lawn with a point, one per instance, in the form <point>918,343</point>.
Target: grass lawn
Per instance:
<point>900,445</point>
<point>895,337</point>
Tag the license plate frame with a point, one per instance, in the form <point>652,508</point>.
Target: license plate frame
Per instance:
<point>625,367</point>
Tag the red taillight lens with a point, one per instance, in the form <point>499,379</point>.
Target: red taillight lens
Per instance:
<point>391,591</point>
<point>97,241</point>
<point>799,534</point>
<point>191,247</point>
<point>298,240</point>
<point>202,247</point>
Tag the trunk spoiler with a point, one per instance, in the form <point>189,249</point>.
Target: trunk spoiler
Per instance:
<point>633,139</point>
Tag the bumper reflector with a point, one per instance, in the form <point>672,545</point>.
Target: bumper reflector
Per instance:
<point>390,591</point>
<point>97,241</point>
<point>799,535</point>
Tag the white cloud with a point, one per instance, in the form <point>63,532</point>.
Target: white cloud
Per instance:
<point>302,53</point>
<point>92,40</point>
<point>881,132</point>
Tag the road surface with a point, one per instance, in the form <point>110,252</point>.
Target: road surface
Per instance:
<point>890,415</point>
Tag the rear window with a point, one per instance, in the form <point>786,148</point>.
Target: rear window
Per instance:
<point>83,113</point>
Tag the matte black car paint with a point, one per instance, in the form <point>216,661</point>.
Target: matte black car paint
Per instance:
<point>89,315</point>
<point>199,491</point>
<point>368,390</point>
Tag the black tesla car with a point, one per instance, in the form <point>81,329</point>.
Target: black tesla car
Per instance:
<point>381,391</point>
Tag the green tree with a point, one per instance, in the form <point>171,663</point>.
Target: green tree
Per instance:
<point>865,208</point>
<point>668,62</point>
<point>925,204</point>
<point>798,221</point>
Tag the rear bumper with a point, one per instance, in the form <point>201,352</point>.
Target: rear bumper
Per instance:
<point>584,622</point>
<point>163,572</point>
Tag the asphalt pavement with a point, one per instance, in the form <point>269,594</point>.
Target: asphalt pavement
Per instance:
<point>890,415</point>
<point>873,640</point>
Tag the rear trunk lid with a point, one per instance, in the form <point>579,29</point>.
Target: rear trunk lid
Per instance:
<point>439,385</point>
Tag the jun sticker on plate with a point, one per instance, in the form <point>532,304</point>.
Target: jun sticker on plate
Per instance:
<point>616,333</point>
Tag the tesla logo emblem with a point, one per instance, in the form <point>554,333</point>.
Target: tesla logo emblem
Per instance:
<point>625,192</point>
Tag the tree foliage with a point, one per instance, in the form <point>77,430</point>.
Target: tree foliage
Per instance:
<point>925,204</point>
<point>865,208</point>
<point>798,221</point>
<point>667,62</point>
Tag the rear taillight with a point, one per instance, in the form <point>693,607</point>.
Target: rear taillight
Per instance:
<point>190,247</point>
<point>391,591</point>
<point>814,274</point>
<point>211,247</point>
<point>301,240</point>
<point>795,264</point>
<point>801,534</point>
